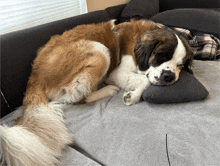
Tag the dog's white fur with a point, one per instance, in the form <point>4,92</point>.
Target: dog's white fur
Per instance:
<point>25,144</point>
<point>127,78</point>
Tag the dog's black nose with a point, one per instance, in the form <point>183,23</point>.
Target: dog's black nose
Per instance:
<point>167,76</point>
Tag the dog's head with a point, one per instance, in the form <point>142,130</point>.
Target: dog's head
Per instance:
<point>161,54</point>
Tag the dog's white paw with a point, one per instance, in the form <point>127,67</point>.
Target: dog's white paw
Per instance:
<point>130,98</point>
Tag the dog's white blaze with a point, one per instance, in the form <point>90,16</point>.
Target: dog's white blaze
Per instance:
<point>178,56</point>
<point>179,53</point>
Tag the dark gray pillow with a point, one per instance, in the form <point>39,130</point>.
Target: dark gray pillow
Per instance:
<point>139,9</point>
<point>195,20</point>
<point>186,89</point>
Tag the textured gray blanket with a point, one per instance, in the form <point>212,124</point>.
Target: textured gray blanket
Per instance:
<point>112,134</point>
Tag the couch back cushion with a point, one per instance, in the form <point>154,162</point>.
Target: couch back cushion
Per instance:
<point>195,20</point>
<point>173,4</point>
<point>139,9</point>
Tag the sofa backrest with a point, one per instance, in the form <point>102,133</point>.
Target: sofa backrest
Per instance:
<point>173,4</point>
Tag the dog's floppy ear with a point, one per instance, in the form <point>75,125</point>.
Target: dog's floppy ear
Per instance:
<point>143,50</point>
<point>189,56</point>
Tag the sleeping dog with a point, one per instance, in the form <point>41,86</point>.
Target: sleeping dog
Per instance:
<point>69,68</point>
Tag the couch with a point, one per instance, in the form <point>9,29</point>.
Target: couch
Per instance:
<point>107,132</point>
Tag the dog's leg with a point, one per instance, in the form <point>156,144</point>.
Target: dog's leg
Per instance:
<point>76,91</point>
<point>85,88</point>
<point>127,78</point>
<point>109,90</point>
<point>84,85</point>
<point>135,89</point>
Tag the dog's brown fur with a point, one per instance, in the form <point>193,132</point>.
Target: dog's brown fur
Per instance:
<point>61,65</point>
<point>129,32</point>
<point>66,57</point>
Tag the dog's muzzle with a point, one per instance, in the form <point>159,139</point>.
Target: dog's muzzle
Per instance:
<point>166,77</point>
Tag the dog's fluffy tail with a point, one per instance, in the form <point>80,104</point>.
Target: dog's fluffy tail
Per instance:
<point>38,139</point>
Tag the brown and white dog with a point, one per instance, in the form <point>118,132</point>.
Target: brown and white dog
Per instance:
<point>69,68</point>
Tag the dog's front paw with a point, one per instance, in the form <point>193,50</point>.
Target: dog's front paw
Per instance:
<point>112,90</point>
<point>130,98</point>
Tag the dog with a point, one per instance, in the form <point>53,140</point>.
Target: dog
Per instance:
<point>68,69</point>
